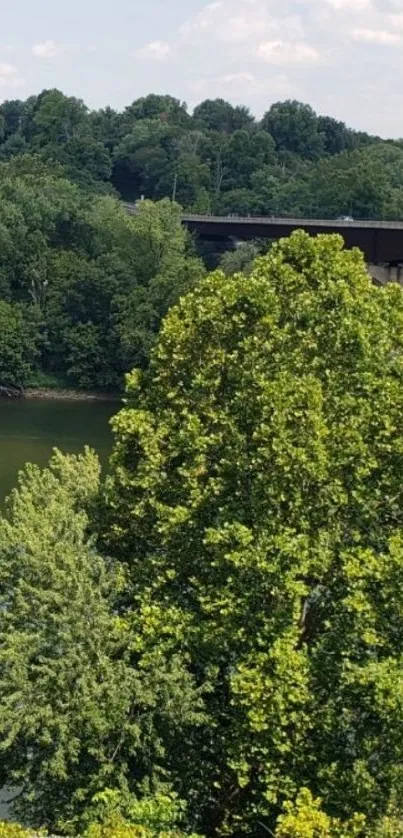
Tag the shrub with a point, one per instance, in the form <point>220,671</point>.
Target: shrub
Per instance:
<point>306,819</point>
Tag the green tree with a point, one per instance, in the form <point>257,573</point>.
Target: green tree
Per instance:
<point>85,161</point>
<point>336,136</point>
<point>57,118</point>
<point>239,201</point>
<point>13,147</point>
<point>100,279</point>
<point>77,714</point>
<point>12,112</point>
<point>165,268</point>
<point>294,127</point>
<point>188,178</point>
<point>219,115</point>
<point>241,259</point>
<point>245,154</point>
<point>305,818</point>
<point>349,184</point>
<point>18,345</point>
<point>106,126</point>
<point>256,498</point>
<point>142,158</point>
<point>164,108</point>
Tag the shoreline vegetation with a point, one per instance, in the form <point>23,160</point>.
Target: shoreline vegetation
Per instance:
<point>70,395</point>
<point>84,286</point>
<point>62,394</point>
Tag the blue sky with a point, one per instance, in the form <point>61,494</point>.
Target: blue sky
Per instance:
<point>344,57</point>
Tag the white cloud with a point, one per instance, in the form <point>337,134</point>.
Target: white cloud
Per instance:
<point>156,50</point>
<point>239,29</point>
<point>9,76</point>
<point>376,36</point>
<point>281,52</point>
<point>203,20</point>
<point>397,20</point>
<point>47,49</point>
<point>349,5</point>
<point>243,22</point>
<point>237,40</point>
<point>12,83</point>
<point>241,84</point>
<point>7,70</point>
<point>52,49</point>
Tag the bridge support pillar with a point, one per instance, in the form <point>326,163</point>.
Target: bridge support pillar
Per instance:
<point>381,274</point>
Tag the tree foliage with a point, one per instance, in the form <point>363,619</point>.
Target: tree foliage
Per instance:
<point>81,710</point>
<point>256,498</point>
<point>84,285</point>
<point>211,641</point>
<point>18,343</point>
<point>88,286</point>
<point>218,159</point>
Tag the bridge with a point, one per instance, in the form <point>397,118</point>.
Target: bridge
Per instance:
<point>380,241</point>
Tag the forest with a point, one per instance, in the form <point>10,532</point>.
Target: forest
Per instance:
<point>208,640</point>
<point>205,641</point>
<point>83,288</point>
<point>218,159</point>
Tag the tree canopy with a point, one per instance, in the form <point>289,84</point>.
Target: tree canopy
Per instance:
<point>83,286</point>
<point>80,712</point>
<point>207,641</point>
<point>88,286</point>
<point>256,499</point>
<point>218,158</point>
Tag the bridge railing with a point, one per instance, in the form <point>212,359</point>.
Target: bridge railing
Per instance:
<point>275,220</point>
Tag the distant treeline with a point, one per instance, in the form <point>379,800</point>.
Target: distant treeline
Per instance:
<point>218,159</point>
<point>83,286</point>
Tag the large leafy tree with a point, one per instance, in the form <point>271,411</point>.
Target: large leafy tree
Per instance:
<point>142,158</point>
<point>83,707</point>
<point>165,268</point>
<point>18,343</point>
<point>256,498</point>
<point>165,108</point>
<point>219,115</point>
<point>294,126</point>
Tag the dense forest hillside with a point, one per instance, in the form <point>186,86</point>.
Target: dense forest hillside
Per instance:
<point>83,287</point>
<point>207,641</point>
<point>218,159</point>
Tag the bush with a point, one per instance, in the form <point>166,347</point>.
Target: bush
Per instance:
<point>118,828</point>
<point>388,827</point>
<point>306,819</point>
<point>124,816</point>
<point>14,830</point>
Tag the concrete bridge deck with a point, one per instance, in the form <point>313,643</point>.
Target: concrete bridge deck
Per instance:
<point>380,241</point>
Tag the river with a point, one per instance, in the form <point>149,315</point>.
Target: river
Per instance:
<point>30,428</point>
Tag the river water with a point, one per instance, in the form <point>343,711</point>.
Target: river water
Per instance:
<point>30,428</point>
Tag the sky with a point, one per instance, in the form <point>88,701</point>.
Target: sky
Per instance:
<point>343,57</point>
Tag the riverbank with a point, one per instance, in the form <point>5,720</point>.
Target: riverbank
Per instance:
<point>70,395</point>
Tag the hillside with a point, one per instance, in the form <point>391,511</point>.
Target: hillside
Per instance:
<point>218,159</point>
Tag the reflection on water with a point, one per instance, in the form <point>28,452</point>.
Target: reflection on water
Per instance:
<point>29,429</point>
